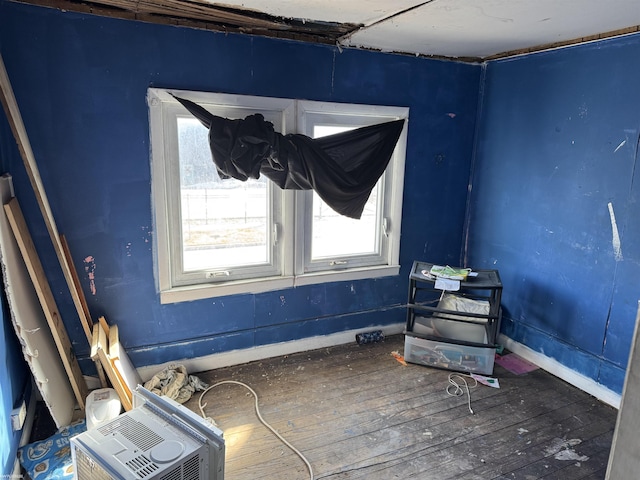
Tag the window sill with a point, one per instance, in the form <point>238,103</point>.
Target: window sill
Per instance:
<point>198,292</point>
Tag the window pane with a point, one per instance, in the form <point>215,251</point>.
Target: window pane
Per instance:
<point>335,235</point>
<point>224,222</point>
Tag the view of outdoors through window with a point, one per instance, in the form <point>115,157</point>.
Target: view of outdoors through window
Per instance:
<point>224,222</point>
<point>335,235</point>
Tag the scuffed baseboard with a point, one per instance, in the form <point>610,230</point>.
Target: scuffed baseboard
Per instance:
<point>237,357</point>
<point>555,368</point>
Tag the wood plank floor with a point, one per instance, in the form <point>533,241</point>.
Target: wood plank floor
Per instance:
<point>356,413</point>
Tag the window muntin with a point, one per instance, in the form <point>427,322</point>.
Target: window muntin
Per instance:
<point>218,237</point>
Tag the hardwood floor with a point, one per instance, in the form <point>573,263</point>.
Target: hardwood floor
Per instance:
<point>356,413</point>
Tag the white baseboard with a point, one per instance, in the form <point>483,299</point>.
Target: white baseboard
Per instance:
<point>237,357</point>
<point>554,367</point>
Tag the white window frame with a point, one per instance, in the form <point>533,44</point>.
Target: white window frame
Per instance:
<point>311,113</point>
<point>291,268</point>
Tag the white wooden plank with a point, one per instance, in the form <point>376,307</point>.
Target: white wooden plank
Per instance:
<point>624,460</point>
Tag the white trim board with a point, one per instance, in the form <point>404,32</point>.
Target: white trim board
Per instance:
<point>554,367</point>
<point>237,357</point>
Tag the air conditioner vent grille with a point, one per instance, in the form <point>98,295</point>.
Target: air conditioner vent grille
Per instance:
<point>173,474</point>
<point>142,466</point>
<point>191,468</point>
<point>137,433</point>
<point>86,468</point>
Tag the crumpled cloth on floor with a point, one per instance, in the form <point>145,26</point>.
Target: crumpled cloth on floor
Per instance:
<point>175,383</point>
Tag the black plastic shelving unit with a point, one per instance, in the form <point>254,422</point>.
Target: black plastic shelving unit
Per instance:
<point>449,350</point>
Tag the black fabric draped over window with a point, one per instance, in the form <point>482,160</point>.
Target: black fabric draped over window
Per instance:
<point>342,168</point>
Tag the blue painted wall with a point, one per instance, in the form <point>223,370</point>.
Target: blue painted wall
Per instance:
<point>558,143</point>
<point>81,84</point>
<point>13,382</point>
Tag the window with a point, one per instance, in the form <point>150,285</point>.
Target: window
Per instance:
<point>222,236</point>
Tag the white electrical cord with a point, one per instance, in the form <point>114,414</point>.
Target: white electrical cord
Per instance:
<point>255,396</point>
<point>454,389</point>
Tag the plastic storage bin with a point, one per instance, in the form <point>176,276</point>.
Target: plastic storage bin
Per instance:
<point>447,355</point>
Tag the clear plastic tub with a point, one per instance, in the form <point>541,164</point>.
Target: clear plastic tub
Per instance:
<point>450,356</point>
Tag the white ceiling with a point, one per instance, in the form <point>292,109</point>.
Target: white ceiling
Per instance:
<point>477,29</point>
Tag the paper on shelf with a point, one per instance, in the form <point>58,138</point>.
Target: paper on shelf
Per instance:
<point>447,284</point>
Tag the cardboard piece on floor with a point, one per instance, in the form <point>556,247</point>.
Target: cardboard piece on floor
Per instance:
<point>121,362</point>
<point>515,363</point>
<point>99,349</point>
<point>47,301</point>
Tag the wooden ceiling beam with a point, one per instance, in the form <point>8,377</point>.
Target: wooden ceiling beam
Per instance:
<point>204,15</point>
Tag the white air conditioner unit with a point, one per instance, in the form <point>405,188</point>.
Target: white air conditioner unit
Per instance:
<point>158,439</point>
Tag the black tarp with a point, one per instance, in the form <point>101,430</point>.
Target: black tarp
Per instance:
<point>342,168</point>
